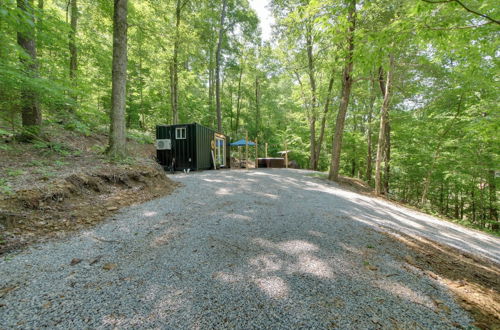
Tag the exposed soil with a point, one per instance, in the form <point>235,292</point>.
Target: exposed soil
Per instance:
<point>55,192</point>
<point>475,281</point>
<point>355,184</point>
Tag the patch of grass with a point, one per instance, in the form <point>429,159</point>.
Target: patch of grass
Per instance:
<point>5,187</point>
<point>370,246</point>
<point>122,160</point>
<point>140,136</point>
<point>320,175</point>
<point>5,147</point>
<point>56,147</point>
<point>15,172</point>
<point>78,126</point>
<point>60,163</point>
<point>37,163</point>
<point>100,149</point>
<point>5,132</point>
<point>45,172</point>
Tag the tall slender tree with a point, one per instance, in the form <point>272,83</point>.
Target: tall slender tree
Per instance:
<point>369,124</point>
<point>73,51</point>
<point>174,71</point>
<point>218,66</point>
<point>345,93</point>
<point>383,137</point>
<point>323,121</point>
<point>30,105</point>
<point>117,136</point>
<point>238,102</point>
<point>314,103</point>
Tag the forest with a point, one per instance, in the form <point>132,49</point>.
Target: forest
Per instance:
<point>401,94</point>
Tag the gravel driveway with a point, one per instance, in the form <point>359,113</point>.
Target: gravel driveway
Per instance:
<point>274,249</point>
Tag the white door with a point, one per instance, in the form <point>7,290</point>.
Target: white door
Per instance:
<point>220,151</point>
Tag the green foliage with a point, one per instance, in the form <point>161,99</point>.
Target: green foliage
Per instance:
<point>140,136</point>
<point>5,187</point>
<point>54,147</point>
<point>78,126</point>
<point>444,115</point>
<point>14,172</point>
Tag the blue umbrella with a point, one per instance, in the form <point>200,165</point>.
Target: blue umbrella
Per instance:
<point>241,143</point>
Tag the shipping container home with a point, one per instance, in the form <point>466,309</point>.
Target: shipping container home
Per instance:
<point>191,146</point>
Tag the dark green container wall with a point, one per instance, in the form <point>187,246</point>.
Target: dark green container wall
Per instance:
<point>228,152</point>
<point>163,156</point>
<point>204,138</point>
<point>194,152</point>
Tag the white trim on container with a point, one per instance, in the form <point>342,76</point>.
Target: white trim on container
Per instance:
<point>180,133</point>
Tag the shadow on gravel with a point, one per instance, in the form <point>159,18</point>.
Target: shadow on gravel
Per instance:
<point>474,280</point>
<point>314,270</point>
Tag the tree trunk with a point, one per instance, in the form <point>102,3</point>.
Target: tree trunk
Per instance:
<point>441,198</point>
<point>462,205</point>
<point>345,95</point>
<point>387,157</point>
<point>142,115</point>
<point>384,119</point>
<point>312,142</point>
<point>117,135</point>
<point>231,112</point>
<point>39,24</point>
<point>493,199</point>
<point>473,203</point>
<point>73,53</point>
<point>174,74</point>
<point>30,106</point>
<point>323,120</point>
<point>311,120</point>
<point>238,103</point>
<point>211,89</point>
<point>73,64</point>
<point>447,207</point>
<point>257,107</point>
<point>312,81</point>
<point>218,65</point>
<point>369,158</point>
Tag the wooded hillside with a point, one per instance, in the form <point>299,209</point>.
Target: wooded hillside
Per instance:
<point>403,94</point>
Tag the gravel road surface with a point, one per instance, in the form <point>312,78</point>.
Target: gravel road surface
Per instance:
<point>259,249</point>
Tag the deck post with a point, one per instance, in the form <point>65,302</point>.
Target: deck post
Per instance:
<point>246,150</point>
<point>256,154</point>
<point>286,155</point>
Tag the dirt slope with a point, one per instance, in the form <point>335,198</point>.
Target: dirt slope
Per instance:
<point>51,188</point>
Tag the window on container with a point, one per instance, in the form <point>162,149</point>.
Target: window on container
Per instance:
<point>180,133</point>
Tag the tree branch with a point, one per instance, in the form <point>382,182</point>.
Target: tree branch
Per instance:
<point>466,8</point>
<point>456,27</point>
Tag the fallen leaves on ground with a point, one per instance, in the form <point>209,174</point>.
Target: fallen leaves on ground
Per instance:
<point>109,266</point>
